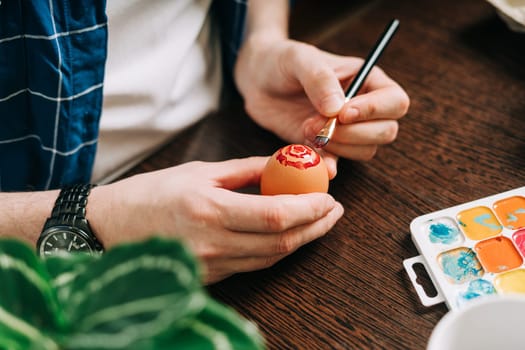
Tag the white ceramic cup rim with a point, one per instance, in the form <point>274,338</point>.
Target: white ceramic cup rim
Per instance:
<point>441,337</point>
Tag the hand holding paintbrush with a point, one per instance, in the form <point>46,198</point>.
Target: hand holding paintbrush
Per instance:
<point>326,133</point>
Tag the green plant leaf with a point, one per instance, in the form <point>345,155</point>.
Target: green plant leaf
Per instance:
<point>219,327</point>
<point>144,295</point>
<point>29,309</point>
<point>215,327</point>
<point>63,269</point>
<point>134,291</point>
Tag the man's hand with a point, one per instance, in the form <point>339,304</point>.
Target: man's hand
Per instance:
<point>290,88</point>
<point>229,231</point>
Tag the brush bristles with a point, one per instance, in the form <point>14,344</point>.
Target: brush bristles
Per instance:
<point>321,141</point>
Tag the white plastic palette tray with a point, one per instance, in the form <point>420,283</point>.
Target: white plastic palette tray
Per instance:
<point>471,250</point>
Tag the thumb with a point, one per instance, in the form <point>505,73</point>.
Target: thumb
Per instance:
<point>330,160</point>
<point>319,82</point>
<point>237,173</point>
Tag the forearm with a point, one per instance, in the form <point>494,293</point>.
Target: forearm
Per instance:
<point>267,25</point>
<point>23,214</point>
<point>268,19</point>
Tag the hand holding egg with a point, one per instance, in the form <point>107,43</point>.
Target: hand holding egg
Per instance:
<point>294,169</point>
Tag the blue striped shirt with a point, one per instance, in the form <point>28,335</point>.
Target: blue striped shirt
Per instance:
<point>52,58</point>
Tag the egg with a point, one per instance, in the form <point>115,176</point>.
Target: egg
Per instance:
<point>294,169</point>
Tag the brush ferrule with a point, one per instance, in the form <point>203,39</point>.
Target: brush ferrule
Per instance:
<point>328,128</point>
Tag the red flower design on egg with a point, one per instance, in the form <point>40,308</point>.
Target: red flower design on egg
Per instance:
<point>294,169</point>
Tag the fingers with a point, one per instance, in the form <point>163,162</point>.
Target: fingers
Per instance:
<point>321,75</point>
<point>384,99</point>
<point>217,270</point>
<point>237,173</point>
<point>256,213</point>
<point>355,152</point>
<point>256,231</point>
<point>273,225</point>
<point>288,241</point>
<point>310,67</point>
<point>330,159</point>
<point>366,121</point>
<point>358,141</point>
<point>261,250</point>
<point>374,132</point>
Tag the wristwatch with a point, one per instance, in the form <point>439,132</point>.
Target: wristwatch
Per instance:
<point>68,230</point>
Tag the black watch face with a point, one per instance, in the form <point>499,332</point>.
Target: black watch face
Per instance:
<point>63,241</point>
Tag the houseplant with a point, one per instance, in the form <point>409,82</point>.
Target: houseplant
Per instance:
<point>144,295</point>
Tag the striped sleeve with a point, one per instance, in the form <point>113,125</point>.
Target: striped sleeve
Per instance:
<point>52,56</point>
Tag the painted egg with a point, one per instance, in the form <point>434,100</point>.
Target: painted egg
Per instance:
<point>294,169</point>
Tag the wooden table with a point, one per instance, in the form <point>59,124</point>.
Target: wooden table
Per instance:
<point>463,139</point>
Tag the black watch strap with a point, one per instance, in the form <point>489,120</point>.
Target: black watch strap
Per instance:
<point>70,210</point>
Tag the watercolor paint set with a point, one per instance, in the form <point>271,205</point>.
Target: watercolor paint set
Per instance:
<point>471,250</point>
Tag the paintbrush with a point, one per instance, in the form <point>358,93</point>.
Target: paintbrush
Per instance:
<point>325,134</point>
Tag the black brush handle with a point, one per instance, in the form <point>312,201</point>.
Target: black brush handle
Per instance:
<point>372,58</point>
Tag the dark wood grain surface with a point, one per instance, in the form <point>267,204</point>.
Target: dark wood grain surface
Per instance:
<point>463,139</point>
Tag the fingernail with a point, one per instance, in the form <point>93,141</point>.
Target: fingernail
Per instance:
<point>310,134</point>
<point>350,114</point>
<point>332,104</point>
